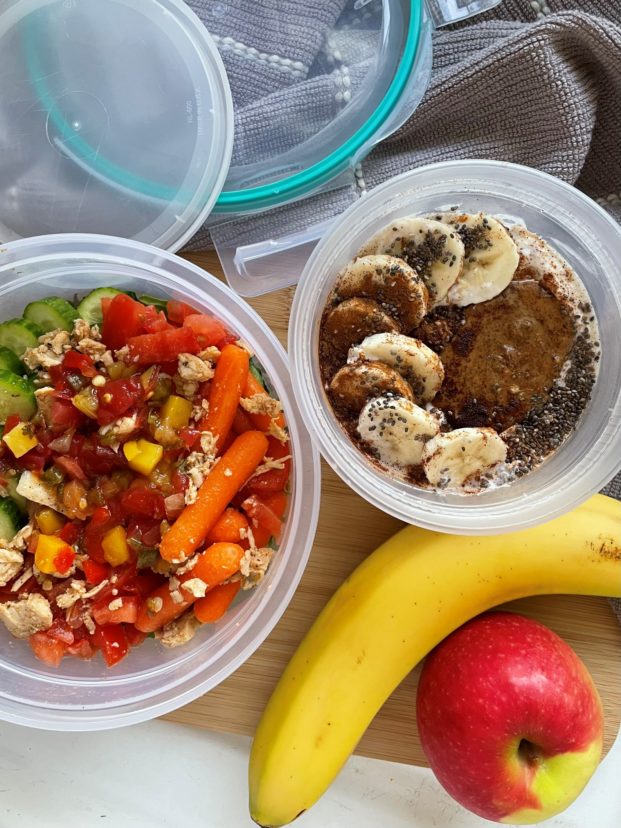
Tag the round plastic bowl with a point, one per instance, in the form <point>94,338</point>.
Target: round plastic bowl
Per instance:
<point>153,680</point>
<point>590,241</point>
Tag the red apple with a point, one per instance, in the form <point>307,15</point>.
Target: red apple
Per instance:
<point>509,719</point>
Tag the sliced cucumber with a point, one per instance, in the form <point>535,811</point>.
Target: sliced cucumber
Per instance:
<point>10,519</point>
<point>51,313</point>
<point>19,334</point>
<point>158,304</point>
<point>11,490</point>
<point>16,396</point>
<point>89,308</point>
<point>9,362</point>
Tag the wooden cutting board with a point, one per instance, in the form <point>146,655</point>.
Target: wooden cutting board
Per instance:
<point>349,529</point>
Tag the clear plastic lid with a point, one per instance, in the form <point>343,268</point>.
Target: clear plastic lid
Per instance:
<point>115,117</point>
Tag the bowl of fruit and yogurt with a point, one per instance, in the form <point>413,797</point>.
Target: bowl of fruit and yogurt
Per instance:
<point>449,339</point>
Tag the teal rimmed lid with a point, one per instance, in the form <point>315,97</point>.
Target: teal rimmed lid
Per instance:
<point>382,39</point>
<point>115,117</point>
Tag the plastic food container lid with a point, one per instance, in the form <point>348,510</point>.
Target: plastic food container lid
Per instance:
<point>321,113</point>
<point>115,117</point>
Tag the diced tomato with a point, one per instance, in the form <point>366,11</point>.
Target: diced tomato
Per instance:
<point>141,500</point>
<point>154,321</point>
<point>163,346</point>
<point>98,525</point>
<point>63,414</point>
<point>81,648</point>
<point>179,481</point>
<point>95,572</point>
<point>116,397</point>
<point>71,467</point>
<point>261,516</point>
<point>69,533</point>
<point>112,641</point>
<point>142,585</point>
<point>261,536</point>
<point>125,614</point>
<point>277,502</point>
<point>144,530</point>
<point>11,421</point>
<point>273,480</point>
<point>190,436</point>
<point>82,363</point>
<point>122,319</point>
<point>242,422</point>
<point>64,560</point>
<point>134,636</point>
<point>35,459</point>
<point>96,459</point>
<point>177,311</point>
<point>60,631</point>
<point>47,649</point>
<point>209,330</point>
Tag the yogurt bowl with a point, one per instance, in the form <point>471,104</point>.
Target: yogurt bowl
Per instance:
<point>582,233</point>
<point>81,695</point>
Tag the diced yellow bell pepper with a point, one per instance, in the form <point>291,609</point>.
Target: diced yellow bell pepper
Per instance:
<point>48,547</point>
<point>176,412</point>
<point>21,439</point>
<point>142,455</point>
<point>115,548</point>
<point>49,521</point>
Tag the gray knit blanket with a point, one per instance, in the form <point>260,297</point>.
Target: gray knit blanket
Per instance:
<point>535,82</point>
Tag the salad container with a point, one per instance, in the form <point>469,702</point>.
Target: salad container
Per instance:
<point>83,695</point>
<point>583,234</point>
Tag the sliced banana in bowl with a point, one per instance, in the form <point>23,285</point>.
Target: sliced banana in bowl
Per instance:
<point>349,322</point>
<point>432,248</point>
<point>390,282</point>
<point>354,384</point>
<point>453,459</point>
<point>491,257</point>
<point>418,364</point>
<point>396,430</point>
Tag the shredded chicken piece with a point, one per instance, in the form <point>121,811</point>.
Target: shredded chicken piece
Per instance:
<point>195,586</point>
<point>82,330</point>
<point>188,566</point>
<point>50,351</point>
<point>197,466</point>
<point>11,562</point>
<point>88,621</point>
<point>95,350</point>
<point>19,539</point>
<point>261,404</point>
<point>75,593</point>
<point>208,443</point>
<point>180,631</point>
<point>27,616</point>
<point>185,388</point>
<point>120,428</point>
<point>254,565</point>
<point>25,576</point>
<point>122,354</point>
<point>269,464</point>
<point>278,432</point>
<point>210,354</point>
<point>194,369</point>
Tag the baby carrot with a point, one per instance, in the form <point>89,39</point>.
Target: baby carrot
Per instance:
<point>214,565</point>
<point>225,392</point>
<point>228,527</point>
<point>216,602</point>
<point>260,421</point>
<point>221,485</point>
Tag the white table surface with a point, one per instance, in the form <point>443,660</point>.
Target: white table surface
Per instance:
<point>163,775</point>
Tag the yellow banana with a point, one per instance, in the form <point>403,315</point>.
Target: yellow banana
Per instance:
<point>392,610</point>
